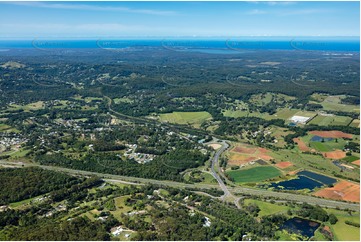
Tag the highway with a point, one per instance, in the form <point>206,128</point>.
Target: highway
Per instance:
<point>239,191</point>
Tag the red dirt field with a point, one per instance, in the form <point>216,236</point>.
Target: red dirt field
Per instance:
<point>243,153</point>
<point>356,162</point>
<point>331,134</point>
<point>284,164</point>
<point>337,154</point>
<point>301,145</point>
<point>343,190</point>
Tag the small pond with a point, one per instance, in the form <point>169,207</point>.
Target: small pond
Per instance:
<point>302,182</point>
<point>301,226</point>
<point>319,139</point>
<point>321,178</point>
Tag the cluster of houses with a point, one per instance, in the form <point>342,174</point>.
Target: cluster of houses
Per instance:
<point>141,158</point>
<point>6,142</point>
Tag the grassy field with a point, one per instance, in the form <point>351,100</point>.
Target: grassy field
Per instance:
<point>286,113</point>
<point>266,207</point>
<point>206,178</point>
<point>324,146</point>
<point>121,207</point>
<point>261,99</point>
<point>241,113</point>
<point>343,231</point>
<point>333,103</point>
<point>355,123</point>
<point>4,127</point>
<point>351,158</point>
<point>328,145</point>
<point>279,134</point>
<point>28,107</point>
<point>20,153</point>
<point>311,162</point>
<point>331,120</point>
<point>255,174</point>
<point>192,118</point>
<point>318,97</point>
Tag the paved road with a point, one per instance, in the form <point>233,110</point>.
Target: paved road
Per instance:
<point>215,159</point>
<point>235,190</point>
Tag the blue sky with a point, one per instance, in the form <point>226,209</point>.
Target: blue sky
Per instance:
<point>159,19</point>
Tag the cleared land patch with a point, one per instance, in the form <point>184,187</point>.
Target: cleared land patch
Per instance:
<point>215,146</point>
<point>240,159</point>
<point>343,190</point>
<point>242,154</point>
<point>337,154</point>
<point>301,145</point>
<point>284,164</point>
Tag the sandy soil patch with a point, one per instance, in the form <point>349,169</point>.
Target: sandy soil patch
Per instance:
<point>301,145</point>
<point>347,166</point>
<point>356,162</point>
<point>344,190</point>
<point>284,164</point>
<point>215,146</point>
<point>337,154</point>
<point>332,134</point>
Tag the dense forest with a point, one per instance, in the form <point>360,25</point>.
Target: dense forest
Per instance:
<point>20,184</point>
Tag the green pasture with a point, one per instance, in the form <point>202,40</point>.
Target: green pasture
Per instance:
<point>255,174</point>
<point>343,231</point>
<point>242,113</point>
<point>286,113</point>
<point>331,120</point>
<point>355,123</point>
<point>351,158</point>
<point>333,103</point>
<point>192,118</point>
<point>266,207</point>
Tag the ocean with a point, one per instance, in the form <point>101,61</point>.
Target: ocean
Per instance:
<point>198,45</point>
